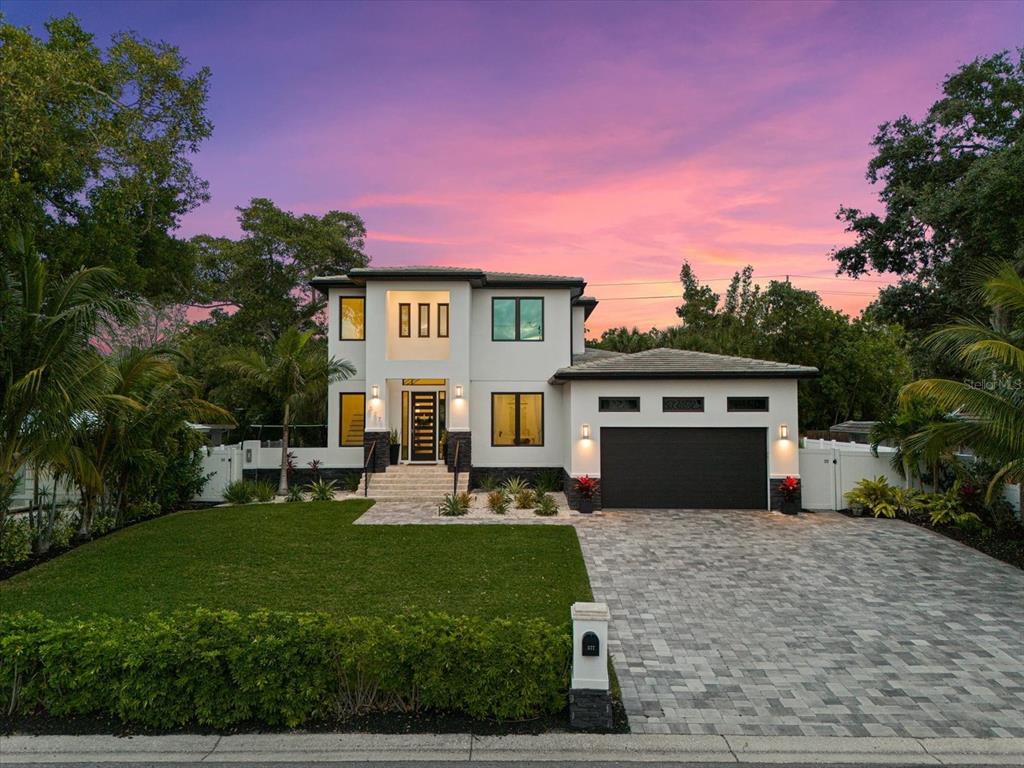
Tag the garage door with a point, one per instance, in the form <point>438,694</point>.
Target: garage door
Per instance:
<point>684,468</point>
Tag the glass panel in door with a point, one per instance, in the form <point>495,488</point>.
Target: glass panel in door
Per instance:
<point>423,441</point>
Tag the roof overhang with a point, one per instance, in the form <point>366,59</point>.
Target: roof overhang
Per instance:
<point>589,304</point>
<point>478,278</point>
<point>567,374</point>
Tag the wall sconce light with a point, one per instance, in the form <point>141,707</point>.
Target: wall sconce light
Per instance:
<point>783,432</point>
<point>458,391</point>
<point>375,392</point>
<point>584,431</point>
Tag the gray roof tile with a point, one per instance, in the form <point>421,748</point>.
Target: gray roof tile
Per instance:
<point>679,364</point>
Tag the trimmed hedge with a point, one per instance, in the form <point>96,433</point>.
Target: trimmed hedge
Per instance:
<point>218,668</point>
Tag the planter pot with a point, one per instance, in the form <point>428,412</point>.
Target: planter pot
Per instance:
<point>394,451</point>
<point>586,506</point>
<point>790,507</point>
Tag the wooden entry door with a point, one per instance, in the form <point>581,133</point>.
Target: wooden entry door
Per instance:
<point>423,437</point>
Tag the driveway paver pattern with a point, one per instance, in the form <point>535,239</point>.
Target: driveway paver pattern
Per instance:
<point>755,623</point>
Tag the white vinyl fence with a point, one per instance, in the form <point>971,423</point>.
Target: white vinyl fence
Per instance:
<point>828,469</point>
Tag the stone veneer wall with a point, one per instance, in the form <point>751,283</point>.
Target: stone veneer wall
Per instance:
<point>573,496</point>
<point>380,455</point>
<point>501,474</point>
<point>465,442</point>
<point>775,500</point>
<point>342,476</point>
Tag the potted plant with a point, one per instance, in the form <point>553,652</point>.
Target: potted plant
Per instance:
<point>394,447</point>
<point>789,489</point>
<point>586,487</point>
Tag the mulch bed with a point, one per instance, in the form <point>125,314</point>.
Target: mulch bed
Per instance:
<point>1005,546</point>
<point>38,725</point>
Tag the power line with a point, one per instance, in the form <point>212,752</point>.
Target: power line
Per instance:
<point>679,296</point>
<point>757,277</point>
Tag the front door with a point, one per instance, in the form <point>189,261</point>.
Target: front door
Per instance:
<point>424,427</point>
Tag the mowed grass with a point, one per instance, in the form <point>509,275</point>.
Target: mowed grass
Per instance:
<point>309,557</point>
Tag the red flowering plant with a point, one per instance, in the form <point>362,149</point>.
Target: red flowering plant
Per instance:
<point>586,486</point>
<point>789,488</point>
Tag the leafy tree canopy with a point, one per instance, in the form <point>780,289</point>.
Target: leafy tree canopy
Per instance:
<point>96,151</point>
<point>863,363</point>
<point>950,186</point>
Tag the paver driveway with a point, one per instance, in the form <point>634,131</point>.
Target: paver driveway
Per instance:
<point>731,622</point>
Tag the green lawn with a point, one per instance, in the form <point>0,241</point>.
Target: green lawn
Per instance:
<point>306,557</point>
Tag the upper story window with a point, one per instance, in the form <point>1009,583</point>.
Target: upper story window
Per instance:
<point>405,320</point>
<point>424,320</point>
<point>442,321</point>
<point>353,318</point>
<point>517,319</point>
<point>737,404</point>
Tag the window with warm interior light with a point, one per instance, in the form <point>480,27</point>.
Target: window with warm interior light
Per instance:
<point>353,419</point>
<point>353,318</point>
<point>405,320</point>
<point>442,320</point>
<point>517,418</point>
<point>424,318</point>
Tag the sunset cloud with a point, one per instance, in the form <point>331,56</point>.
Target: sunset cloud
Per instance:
<point>610,140</point>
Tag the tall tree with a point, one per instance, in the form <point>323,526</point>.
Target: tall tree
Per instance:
<point>49,370</point>
<point>294,372</point>
<point>96,152</point>
<point>951,192</point>
<point>988,408</point>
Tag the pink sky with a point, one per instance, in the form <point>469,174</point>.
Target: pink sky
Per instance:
<point>606,140</point>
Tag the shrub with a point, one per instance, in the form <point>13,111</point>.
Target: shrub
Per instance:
<point>465,500</point>
<point>217,668</point>
<point>548,481</point>
<point>239,492</point>
<point>497,501</point>
<point>948,509</point>
<point>15,542</point>
<point>546,506</point>
<point>263,490</point>
<point>350,482</point>
<point>586,487</point>
<point>321,490</point>
<point>102,523</point>
<point>874,496</point>
<point>142,510</point>
<point>515,486</point>
<point>295,494</point>
<point>489,483</point>
<point>451,506</point>
<point>525,498</point>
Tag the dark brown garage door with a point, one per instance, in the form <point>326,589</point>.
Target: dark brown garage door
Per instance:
<point>684,468</point>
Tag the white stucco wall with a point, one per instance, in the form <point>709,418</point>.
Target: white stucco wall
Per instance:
<point>355,353</point>
<point>579,343</point>
<point>782,403</point>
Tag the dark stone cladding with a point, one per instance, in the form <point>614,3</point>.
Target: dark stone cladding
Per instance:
<point>342,476</point>
<point>465,442</point>
<point>776,501</point>
<point>590,710</point>
<point>501,474</point>
<point>380,454</point>
<point>572,495</point>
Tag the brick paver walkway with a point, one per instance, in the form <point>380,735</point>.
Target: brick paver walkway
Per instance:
<point>756,623</point>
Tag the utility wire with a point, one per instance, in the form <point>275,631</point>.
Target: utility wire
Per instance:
<point>680,296</point>
<point>757,277</point>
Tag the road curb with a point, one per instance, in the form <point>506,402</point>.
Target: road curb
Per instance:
<point>625,748</point>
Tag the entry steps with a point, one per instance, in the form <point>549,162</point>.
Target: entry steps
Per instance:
<point>413,482</point>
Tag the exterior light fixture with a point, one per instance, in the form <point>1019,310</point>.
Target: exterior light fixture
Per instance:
<point>375,392</point>
<point>584,431</point>
<point>783,432</point>
<point>458,391</point>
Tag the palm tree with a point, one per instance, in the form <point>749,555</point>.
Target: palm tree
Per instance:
<point>48,368</point>
<point>294,373</point>
<point>988,411</point>
<point>909,418</point>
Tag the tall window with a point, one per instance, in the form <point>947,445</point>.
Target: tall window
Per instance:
<point>442,321</point>
<point>353,418</point>
<point>424,318</point>
<point>405,320</point>
<point>517,319</point>
<point>517,418</point>
<point>353,318</point>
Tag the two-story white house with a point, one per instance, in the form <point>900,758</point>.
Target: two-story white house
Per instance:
<point>490,369</point>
